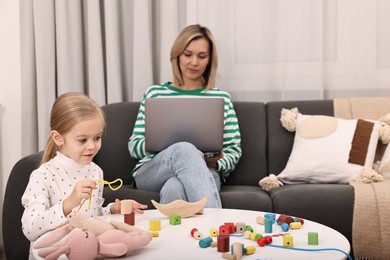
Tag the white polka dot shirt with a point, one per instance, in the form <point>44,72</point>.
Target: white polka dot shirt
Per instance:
<point>48,186</point>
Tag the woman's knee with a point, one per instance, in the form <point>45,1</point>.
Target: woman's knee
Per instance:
<point>186,149</point>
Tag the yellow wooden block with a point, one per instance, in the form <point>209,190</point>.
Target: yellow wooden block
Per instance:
<point>155,225</point>
<point>288,241</point>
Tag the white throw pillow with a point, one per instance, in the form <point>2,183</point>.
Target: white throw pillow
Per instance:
<point>327,150</point>
<point>384,167</point>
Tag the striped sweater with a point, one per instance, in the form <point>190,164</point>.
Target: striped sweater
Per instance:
<point>231,134</point>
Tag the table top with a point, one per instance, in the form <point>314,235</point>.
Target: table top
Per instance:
<point>175,241</point>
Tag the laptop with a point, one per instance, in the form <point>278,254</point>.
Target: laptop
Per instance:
<point>196,120</point>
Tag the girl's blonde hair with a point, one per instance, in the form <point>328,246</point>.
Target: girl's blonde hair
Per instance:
<point>187,35</point>
<point>68,110</point>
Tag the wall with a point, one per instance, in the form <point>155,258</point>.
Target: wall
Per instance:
<point>10,93</point>
<point>303,49</point>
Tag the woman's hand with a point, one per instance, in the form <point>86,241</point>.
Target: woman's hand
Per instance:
<point>82,190</point>
<point>212,161</point>
<point>136,207</point>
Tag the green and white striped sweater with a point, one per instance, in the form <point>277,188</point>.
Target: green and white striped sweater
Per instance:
<point>231,134</point>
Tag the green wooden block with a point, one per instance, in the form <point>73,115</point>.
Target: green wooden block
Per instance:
<point>313,238</point>
<point>174,219</point>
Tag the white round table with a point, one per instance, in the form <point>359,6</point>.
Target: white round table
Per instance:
<point>176,242</point>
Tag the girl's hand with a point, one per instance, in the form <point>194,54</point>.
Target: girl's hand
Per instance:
<point>212,161</point>
<point>116,207</point>
<point>82,190</point>
<point>137,207</point>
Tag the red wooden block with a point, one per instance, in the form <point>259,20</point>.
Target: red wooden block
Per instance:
<point>129,219</point>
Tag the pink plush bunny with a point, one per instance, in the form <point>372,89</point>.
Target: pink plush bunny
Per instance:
<point>81,244</point>
<point>78,245</point>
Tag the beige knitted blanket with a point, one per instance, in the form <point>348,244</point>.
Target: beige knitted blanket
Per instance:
<point>371,215</point>
<point>371,220</point>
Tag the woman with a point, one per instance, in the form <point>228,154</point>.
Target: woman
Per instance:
<point>181,171</point>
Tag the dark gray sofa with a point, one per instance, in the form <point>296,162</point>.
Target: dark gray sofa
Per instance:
<point>266,148</point>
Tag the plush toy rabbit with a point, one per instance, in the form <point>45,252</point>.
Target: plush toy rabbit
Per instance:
<point>84,244</point>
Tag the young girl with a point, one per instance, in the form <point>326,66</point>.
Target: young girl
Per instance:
<point>67,176</point>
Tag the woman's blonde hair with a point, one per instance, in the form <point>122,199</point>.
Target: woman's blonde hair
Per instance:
<point>187,35</point>
<point>68,110</point>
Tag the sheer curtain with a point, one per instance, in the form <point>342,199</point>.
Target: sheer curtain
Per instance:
<point>111,50</point>
<point>268,50</point>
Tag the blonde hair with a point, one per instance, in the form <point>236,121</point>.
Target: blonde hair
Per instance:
<point>187,35</point>
<point>68,110</point>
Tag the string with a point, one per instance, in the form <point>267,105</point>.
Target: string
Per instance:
<point>313,249</point>
<point>109,183</point>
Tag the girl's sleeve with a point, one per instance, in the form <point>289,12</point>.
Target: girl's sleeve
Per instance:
<point>38,217</point>
<point>231,142</point>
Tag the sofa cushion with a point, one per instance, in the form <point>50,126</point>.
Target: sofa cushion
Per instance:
<point>280,141</point>
<point>328,204</point>
<point>253,163</point>
<point>114,157</point>
<point>245,197</point>
<point>330,150</point>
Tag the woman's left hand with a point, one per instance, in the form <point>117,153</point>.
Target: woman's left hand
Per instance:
<point>212,161</point>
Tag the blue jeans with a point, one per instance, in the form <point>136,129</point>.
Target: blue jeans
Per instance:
<point>180,172</point>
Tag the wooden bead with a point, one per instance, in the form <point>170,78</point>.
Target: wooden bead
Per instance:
<point>300,220</point>
<point>268,225</point>
<point>196,234</point>
<point>288,241</point>
<point>240,227</point>
<point>249,250</point>
<point>229,256</point>
<point>295,225</point>
<point>174,220</point>
<point>155,225</point>
<point>238,250</point>
<point>282,219</point>
<point>285,227</point>
<point>248,228</point>
<point>253,236</point>
<point>230,226</point>
<point>126,207</point>
<point>260,220</point>
<point>247,234</point>
<point>223,243</point>
<point>270,216</point>
<point>224,230</point>
<point>205,242</point>
<point>288,220</point>
<point>312,238</point>
<point>261,242</point>
<point>213,232</point>
<point>129,219</point>
<point>268,239</point>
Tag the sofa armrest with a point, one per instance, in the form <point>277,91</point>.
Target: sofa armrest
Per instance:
<point>16,245</point>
